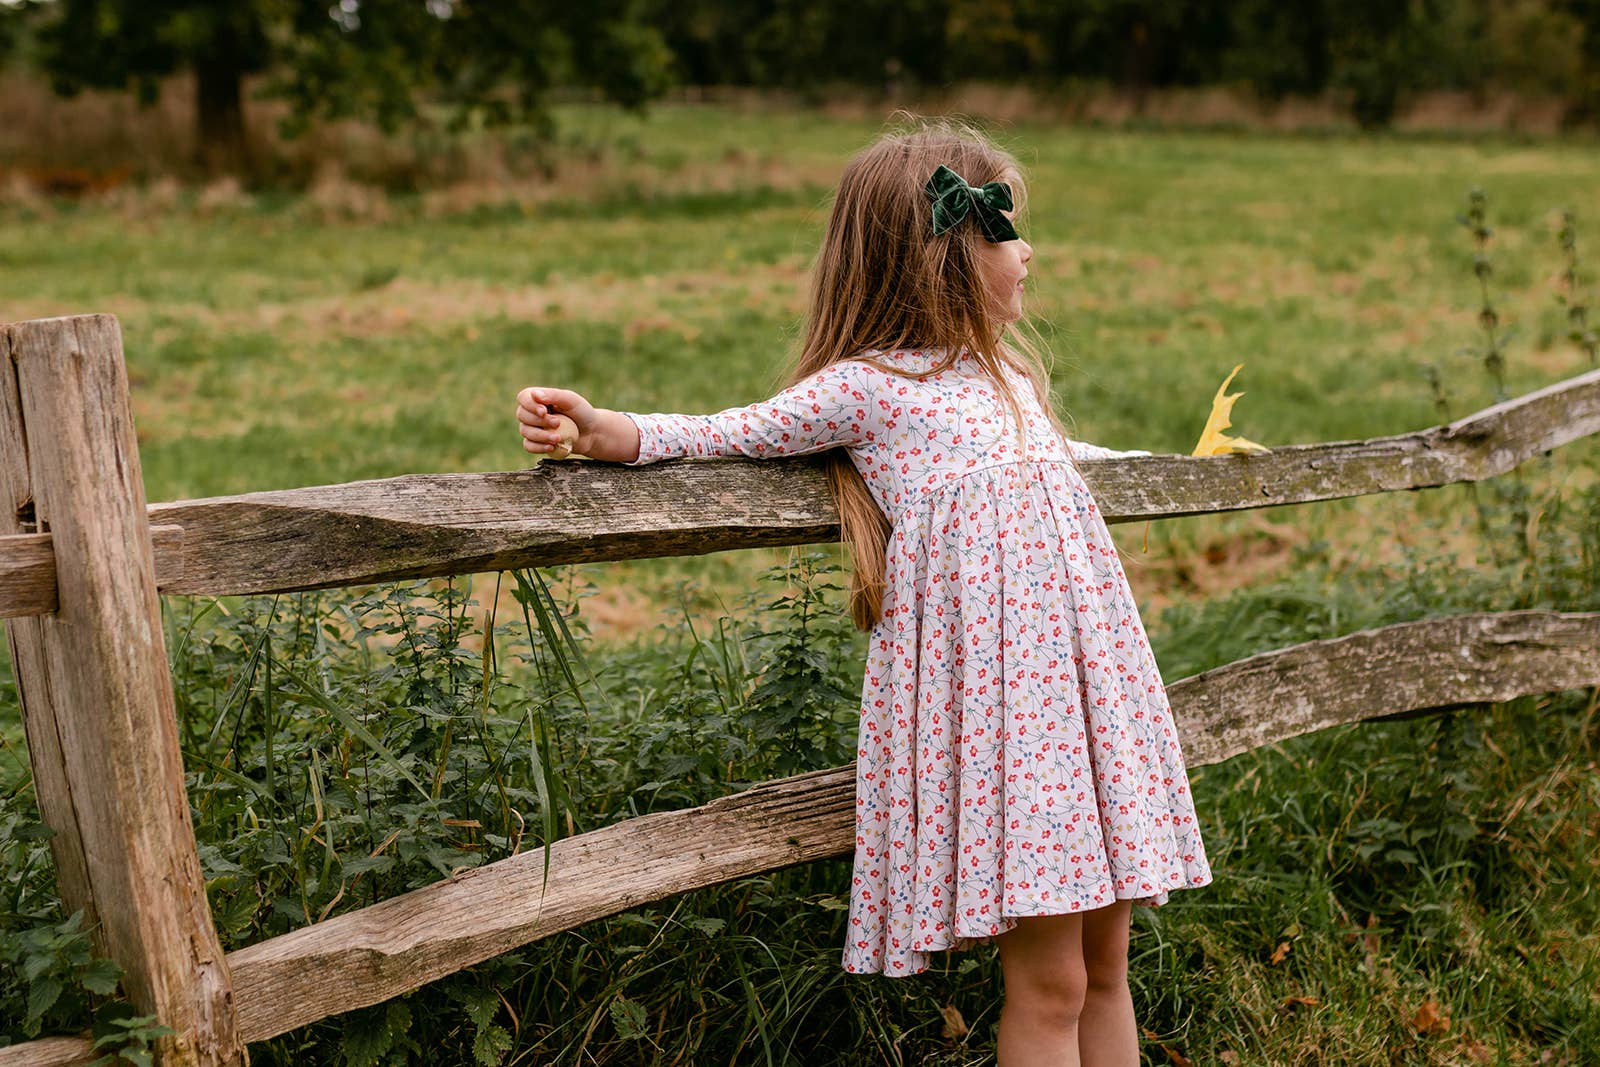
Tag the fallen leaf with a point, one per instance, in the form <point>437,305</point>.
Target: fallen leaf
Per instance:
<point>1478,1052</point>
<point>955,1027</point>
<point>1213,442</point>
<point>1291,1002</point>
<point>1178,1059</point>
<point>1429,1020</point>
<point>1279,954</point>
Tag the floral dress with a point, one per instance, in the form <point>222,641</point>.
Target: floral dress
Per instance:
<point>1017,754</point>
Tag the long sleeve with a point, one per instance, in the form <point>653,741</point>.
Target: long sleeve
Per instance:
<point>833,407</point>
<point>1084,450</point>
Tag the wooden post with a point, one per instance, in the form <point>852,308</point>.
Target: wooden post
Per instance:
<point>96,692</point>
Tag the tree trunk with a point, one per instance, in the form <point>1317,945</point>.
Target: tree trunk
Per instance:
<point>1137,64</point>
<point>222,146</point>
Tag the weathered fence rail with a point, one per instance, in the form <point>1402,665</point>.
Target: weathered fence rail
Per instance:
<point>58,544</point>
<point>428,525</point>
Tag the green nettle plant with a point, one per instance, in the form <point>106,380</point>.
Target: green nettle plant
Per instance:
<point>1476,221</point>
<point>48,970</point>
<point>801,713</point>
<point>345,747</point>
<point>50,979</point>
<point>1579,331</point>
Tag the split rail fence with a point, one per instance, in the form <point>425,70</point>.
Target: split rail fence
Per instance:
<point>83,560</point>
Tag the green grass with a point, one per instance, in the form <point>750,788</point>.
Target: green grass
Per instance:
<point>1332,268</point>
<point>662,270</point>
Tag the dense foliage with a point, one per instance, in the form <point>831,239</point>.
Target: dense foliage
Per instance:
<point>1372,51</point>
<point>380,59</point>
<point>370,59</point>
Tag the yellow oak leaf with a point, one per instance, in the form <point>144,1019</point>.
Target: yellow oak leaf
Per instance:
<point>1213,442</point>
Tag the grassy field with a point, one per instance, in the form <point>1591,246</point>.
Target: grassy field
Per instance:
<point>1408,892</point>
<point>279,342</point>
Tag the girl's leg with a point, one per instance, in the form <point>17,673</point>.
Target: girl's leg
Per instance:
<point>1042,961</point>
<point>1107,1035</point>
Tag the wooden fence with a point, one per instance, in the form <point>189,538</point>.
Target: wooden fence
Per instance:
<point>83,560</point>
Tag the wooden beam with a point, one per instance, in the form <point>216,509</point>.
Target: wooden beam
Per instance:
<point>396,945</point>
<point>1403,670</point>
<point>27,638</point>
<point>427,525</point>
<point>96,693</point>
<point>367,956</point>
<point>423,525</point>
<point>28,569</point>
<point>1483,445</point>
<point>50,1052</point>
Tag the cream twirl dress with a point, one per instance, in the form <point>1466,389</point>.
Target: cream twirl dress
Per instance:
<point>1017,754</point>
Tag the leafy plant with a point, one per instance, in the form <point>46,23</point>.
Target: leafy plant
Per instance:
<point>800,715</point>
<point>48,972</point>
<point>123,1037</point>
<point>1579,331</point>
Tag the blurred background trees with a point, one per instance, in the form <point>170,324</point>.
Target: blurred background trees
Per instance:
<point>385,60</point>
<point>377,60</point>
<point>1371,51</point>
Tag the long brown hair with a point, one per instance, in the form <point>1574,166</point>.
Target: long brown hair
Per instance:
<point>883,281</point>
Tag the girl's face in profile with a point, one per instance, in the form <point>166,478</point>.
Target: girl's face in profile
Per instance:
<point>1002,267</point>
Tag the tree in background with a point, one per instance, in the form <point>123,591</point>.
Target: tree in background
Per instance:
<point>380,60</point>
<point>1372,52</point>
<point>1380,49</point>
<point>132,44</point>
<point>1586,13</point>
<point>496,60</point>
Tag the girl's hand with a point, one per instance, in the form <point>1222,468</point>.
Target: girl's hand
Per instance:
<point>542,410</point>
<point>558,422</point>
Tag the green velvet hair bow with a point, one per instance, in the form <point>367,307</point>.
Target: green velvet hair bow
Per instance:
<point>953,198</point>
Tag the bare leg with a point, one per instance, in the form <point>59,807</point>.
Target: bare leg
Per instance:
<point>1107,1034</point>
<point>1042,960</point>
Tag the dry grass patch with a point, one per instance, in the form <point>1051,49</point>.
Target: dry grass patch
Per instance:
<point>1225,560</point>
<point>673,302</point>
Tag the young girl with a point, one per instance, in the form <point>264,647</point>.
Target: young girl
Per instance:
<point>1018,771</point>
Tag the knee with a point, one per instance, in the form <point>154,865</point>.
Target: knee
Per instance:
<point>1106,975</point>
<point>1105,948</point>
<point>1054,993</point>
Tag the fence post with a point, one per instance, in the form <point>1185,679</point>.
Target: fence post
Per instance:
<point>96,691</point>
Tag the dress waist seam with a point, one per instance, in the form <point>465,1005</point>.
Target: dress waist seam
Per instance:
<point>918,498</point>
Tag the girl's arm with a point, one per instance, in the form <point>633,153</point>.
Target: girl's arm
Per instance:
<point>834,407</point>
